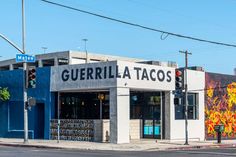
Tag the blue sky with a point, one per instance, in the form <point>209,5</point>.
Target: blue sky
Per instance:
<point>61,29</point>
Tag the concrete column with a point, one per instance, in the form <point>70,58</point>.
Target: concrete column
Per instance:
<point>56,61</point>
<point>70,60</point>
<point>119,115</point>
<point>167,105</point>
<point>87,59</point>
<point>40,63</point>
<point>11,67</point>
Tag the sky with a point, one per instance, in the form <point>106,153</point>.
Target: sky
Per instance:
<point>61,29</point>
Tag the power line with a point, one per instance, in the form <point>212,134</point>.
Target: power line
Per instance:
<point>141,26</point>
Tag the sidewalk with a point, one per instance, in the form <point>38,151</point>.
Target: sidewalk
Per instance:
<point>139,145</point>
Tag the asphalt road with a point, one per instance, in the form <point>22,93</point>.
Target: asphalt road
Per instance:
<point>35,152</point>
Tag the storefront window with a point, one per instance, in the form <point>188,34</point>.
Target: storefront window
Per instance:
<point>192,108</point>
<point>83,105</point>
<point>145,105</point>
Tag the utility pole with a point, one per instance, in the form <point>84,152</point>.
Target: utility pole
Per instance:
<point>24,74</point>
<point>186,94</point>
<point>85,49</point>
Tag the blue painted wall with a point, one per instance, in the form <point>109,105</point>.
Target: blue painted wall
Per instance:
<point>11,112</point>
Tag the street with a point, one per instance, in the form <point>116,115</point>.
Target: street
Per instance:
<point>36,152</point>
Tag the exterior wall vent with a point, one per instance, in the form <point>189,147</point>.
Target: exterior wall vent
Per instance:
<point>172,64</point>
<point>152,62</point>
<point>197,68</point>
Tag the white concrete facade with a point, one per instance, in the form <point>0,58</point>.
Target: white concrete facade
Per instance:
<point>119,115</point>
<point>102,130</point>
<point>112,74</point>
<point>196,128</point>
<point>119,78</point>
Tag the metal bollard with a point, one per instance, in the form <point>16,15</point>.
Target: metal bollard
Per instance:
<point>58,130</point>
<point>219,137</point>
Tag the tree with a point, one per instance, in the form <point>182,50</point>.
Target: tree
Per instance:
<point>4,94</point>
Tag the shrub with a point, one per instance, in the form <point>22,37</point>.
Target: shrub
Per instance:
<point>4,94</point>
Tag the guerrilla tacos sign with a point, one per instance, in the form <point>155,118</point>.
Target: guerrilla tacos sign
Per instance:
<point>107,72</point>
<point>111,74</point>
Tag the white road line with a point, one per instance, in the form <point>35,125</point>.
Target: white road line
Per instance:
<point>211,153</point>
<point>80,152</point>
<point>36,150</point>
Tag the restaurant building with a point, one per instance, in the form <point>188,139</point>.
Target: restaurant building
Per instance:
<point>101,98</point>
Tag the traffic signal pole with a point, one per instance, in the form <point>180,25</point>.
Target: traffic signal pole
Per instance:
<point>186,94</point>
<point>24,74</point>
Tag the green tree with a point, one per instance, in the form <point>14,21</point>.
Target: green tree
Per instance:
<point>4,94</point>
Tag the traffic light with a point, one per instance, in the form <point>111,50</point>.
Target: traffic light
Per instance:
<point>31,77</point>
<point>179,86</point>
<point>178,79</point>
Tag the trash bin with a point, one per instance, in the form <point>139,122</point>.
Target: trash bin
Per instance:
<point>219,129</point>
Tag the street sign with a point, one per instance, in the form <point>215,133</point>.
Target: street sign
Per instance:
<point>24,58</point>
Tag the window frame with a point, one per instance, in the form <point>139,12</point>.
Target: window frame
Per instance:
<point>195,108</point>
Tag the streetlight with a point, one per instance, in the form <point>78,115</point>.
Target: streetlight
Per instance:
<point>85,49</point>
<point>44,49</point>
<point>11,43</point>
<point>24,68</point>
<point>26,136</point>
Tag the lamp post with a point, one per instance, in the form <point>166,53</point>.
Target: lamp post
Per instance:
<point>26,136</point>
<point>44,49</point>
<point>11,43</point>
<point>24,69</point>
<point>85,49</point>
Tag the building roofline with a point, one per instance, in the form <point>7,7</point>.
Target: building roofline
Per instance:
<point>70,54</point>
<point>102,56</point>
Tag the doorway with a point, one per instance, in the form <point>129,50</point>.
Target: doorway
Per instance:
<point>148,107</point>
<point>39,121</point>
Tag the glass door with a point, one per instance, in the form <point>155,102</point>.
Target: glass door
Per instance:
<point>148,128</point>
<point>157,129</point>
<point>151,129</point>
<point>151,123</point>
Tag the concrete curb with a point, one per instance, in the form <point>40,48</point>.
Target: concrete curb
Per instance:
<point>120,149</point>
<point>28,145</point>
<point>203,146</point>
<point>65,148</point>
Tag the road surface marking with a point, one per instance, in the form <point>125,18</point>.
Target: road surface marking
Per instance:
<point>212,153</point>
